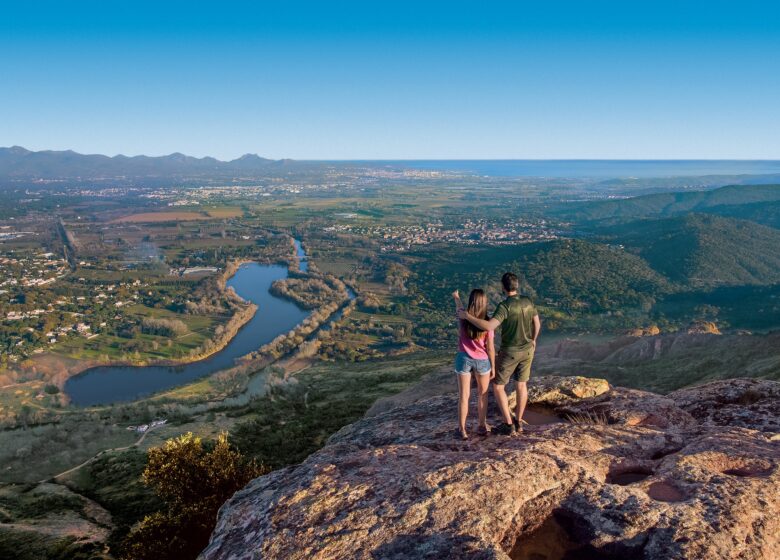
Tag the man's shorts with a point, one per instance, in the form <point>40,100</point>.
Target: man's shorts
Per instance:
<point>514,363</point>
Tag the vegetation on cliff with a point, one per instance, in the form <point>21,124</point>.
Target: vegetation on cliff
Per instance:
<point>193,479</point>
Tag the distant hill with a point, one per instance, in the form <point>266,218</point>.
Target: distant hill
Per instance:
<point>766,213</point>
<point>704,250</point>
<point>573,274</point>
<point>725,201</point>
<point>20,163</point>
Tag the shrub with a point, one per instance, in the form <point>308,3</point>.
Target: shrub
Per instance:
<point>193,480</point>
<point>163,327</point>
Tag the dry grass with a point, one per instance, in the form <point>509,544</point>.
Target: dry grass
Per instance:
<point>751,396</point>
<point>595,418</point>
<point>181,216</point>
<point>151,217</point>
<point>225,212</point>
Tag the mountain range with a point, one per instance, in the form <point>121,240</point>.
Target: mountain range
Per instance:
<point>19,163</point>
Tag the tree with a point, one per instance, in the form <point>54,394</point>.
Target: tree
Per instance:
<point>51,389</point>
<point>194,480</point>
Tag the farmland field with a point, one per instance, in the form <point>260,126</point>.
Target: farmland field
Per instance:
<point>210,214</point>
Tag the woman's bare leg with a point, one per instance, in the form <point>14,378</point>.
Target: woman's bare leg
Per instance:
<point>483,384</point>
<point>464,392</point>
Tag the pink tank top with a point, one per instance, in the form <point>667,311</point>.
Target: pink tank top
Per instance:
<point>476,349</point>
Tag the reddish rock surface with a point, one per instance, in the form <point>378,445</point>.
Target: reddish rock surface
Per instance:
<point>750,403</point>
<point>631,475</point>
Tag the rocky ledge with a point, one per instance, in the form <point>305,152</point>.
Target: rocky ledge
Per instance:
<point>602,472</point>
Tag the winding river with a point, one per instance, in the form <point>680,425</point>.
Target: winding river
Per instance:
<point>113,384</point>
<point>303,260</point>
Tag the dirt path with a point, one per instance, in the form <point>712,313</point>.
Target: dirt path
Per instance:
<point>295,365</point>
<point>101,453</point>
<point>14,385</point>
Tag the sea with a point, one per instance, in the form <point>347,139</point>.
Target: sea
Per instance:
<point>595,169</point>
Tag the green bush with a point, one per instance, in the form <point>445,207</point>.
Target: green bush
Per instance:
<point>194,480</point>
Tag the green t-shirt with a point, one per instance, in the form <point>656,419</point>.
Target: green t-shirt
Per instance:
<point>516,314</point>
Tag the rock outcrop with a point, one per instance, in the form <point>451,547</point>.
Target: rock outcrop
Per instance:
<point>604,473</point>
<point>652,330</point>
<point>703,327</point>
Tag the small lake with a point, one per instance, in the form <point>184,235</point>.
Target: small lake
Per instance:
<point>274,316</point>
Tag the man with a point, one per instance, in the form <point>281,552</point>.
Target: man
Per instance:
<point>520,327</point>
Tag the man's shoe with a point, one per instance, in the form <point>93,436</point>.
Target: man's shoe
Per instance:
<point>504,429</point>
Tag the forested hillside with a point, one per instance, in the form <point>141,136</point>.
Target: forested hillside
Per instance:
<point>766,213</point>
<point>570,274</point>
<point>704,250</point>
<point>576,273</point>
<point>717,201</point>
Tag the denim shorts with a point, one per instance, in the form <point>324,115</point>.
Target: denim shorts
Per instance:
<point>465,365</point>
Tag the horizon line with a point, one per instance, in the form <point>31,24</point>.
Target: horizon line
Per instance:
<point>407,159</point>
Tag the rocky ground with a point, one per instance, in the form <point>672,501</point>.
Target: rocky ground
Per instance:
<point>602,472</point>
<point>49,520</point>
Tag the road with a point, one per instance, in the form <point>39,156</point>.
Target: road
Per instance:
<point>101,453</point>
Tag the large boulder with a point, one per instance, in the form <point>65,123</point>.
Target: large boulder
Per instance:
<point>552,390</point>
<point>622,474</point>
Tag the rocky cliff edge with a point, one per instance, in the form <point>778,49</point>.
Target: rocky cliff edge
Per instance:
<point>602,472</point>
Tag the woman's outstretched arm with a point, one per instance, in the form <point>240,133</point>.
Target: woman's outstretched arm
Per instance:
<point>458,302</point>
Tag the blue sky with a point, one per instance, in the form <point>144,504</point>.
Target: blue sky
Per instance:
<point>394,80</point>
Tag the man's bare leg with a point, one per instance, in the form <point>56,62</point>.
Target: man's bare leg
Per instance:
<point>499,392</point>
<point>522,399</point>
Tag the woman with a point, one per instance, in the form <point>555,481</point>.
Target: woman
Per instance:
<point>476,355</point>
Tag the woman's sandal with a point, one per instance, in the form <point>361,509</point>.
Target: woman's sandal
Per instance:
<point>462,435</point>
<point>483,430</point>
<point>519,424</point>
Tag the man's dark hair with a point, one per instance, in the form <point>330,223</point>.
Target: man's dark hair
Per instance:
<point>510,282</point>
